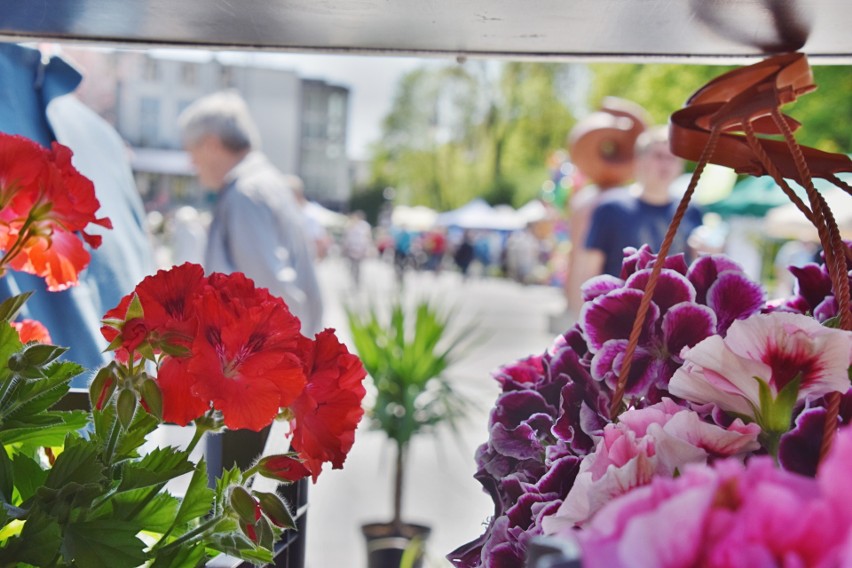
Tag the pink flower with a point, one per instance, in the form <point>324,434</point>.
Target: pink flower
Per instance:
<point>775,348</point>
<point>725,517</point>
<point>652,441</point>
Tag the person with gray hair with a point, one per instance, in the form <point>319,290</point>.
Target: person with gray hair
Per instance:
<point>258,227</point>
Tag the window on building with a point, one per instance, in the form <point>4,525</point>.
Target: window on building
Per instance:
<point>149,121</point>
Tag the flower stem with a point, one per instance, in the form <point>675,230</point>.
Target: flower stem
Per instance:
<point>112,441</point>
<point>772,442</point>
<point>199,433</point>
<point>187,537</point>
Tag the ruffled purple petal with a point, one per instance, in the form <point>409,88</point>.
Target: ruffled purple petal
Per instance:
<point>642,258</point>
<point>799,448</point>
<point>469,555</point>
<point>501,550</point>
<point>513,408</point>
<point>520,515</point>
<point>560,477</point>
<point>686,324</point>
<point>734,296</point>
<point>645,369</point>
<point>672,288</point>
<point>521,442</point>
<point>612,316</point>
<point>600,285</point>
<point>812,283</point>
<point>520,374</point>
<point>704,272</point>
<point>795,304</point>
<point>826,309</point>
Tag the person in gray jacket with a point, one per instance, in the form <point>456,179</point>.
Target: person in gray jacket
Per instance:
<point>258,227</point>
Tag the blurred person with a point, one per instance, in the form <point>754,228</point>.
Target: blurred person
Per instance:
<point>357,241</point>
<point>464,253</point>
<point>37,101</point>
<point>258,227</point>
<point>638,214</point>
<point>321,239</point>
<point>402,250</point>
<point>601,147</point>
<point>189,236</point>
<point>435,248</point>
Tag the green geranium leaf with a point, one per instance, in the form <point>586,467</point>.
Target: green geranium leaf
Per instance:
<point>229,477</point>
<point>47,429</point>
<point>158,466</point>
<point>152,514</point>
<point>132,438</point>
<point>238,545</point>
<point>10,308</point>
<point>78,463</point>
<point>37,545</point>
<point>198,499</point>
<point>29,476</point>
<point>10,344</point>
<point>36,395</point>
<point>182,557</point>
<point>7,476</point>
<point>103,542</point>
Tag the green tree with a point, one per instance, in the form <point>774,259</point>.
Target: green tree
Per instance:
<point>664,88</point>
<point>486,128</point>
<point>483,128</point>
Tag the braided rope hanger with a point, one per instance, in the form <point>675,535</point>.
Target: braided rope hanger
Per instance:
<point>720,124</point>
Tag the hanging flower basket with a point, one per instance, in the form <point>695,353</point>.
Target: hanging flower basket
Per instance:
<point>684,420</point>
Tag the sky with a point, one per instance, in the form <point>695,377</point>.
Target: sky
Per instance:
<point>371,79</point>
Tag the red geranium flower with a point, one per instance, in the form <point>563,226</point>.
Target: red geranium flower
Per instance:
<point>58,259</point>
<point>167,299</point>
<point>244,357</point>
<point>328,411</point>
<point>22,162</point>
<point>31,330</point>
<point>180,404</point>
<point>168,316</point>
<point>45,203</point>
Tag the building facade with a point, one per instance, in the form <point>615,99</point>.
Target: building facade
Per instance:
<point>302,122</point>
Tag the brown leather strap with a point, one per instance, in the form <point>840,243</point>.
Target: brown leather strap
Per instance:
<point>721,124</point>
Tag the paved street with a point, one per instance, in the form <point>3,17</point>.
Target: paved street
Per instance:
<point>441,491</point>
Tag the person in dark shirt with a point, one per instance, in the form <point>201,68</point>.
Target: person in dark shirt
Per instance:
<point>638,214</point>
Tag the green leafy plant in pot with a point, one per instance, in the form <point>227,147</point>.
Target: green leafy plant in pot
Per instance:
<point>406,352</point>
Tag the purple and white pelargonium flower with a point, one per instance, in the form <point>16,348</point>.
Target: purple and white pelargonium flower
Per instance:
<point>762,356</point>
<point>688,306</point>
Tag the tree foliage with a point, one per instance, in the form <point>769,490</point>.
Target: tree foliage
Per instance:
<point>487,128</point>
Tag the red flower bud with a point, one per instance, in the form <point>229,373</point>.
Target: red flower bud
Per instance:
<point>125,407</point>
<point>244,505</point>
<point>102,387</point>
<point>275,508</point>
<point>133,333</point>
<point>283,468</point>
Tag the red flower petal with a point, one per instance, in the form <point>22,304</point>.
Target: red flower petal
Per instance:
<point>180,404</point>
<point>328,411</point>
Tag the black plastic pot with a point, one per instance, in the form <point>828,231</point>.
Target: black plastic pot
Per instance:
<point>387,545</point>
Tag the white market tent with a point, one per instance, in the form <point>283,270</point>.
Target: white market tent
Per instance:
<point>416,218</point>
<point>478,215</point>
